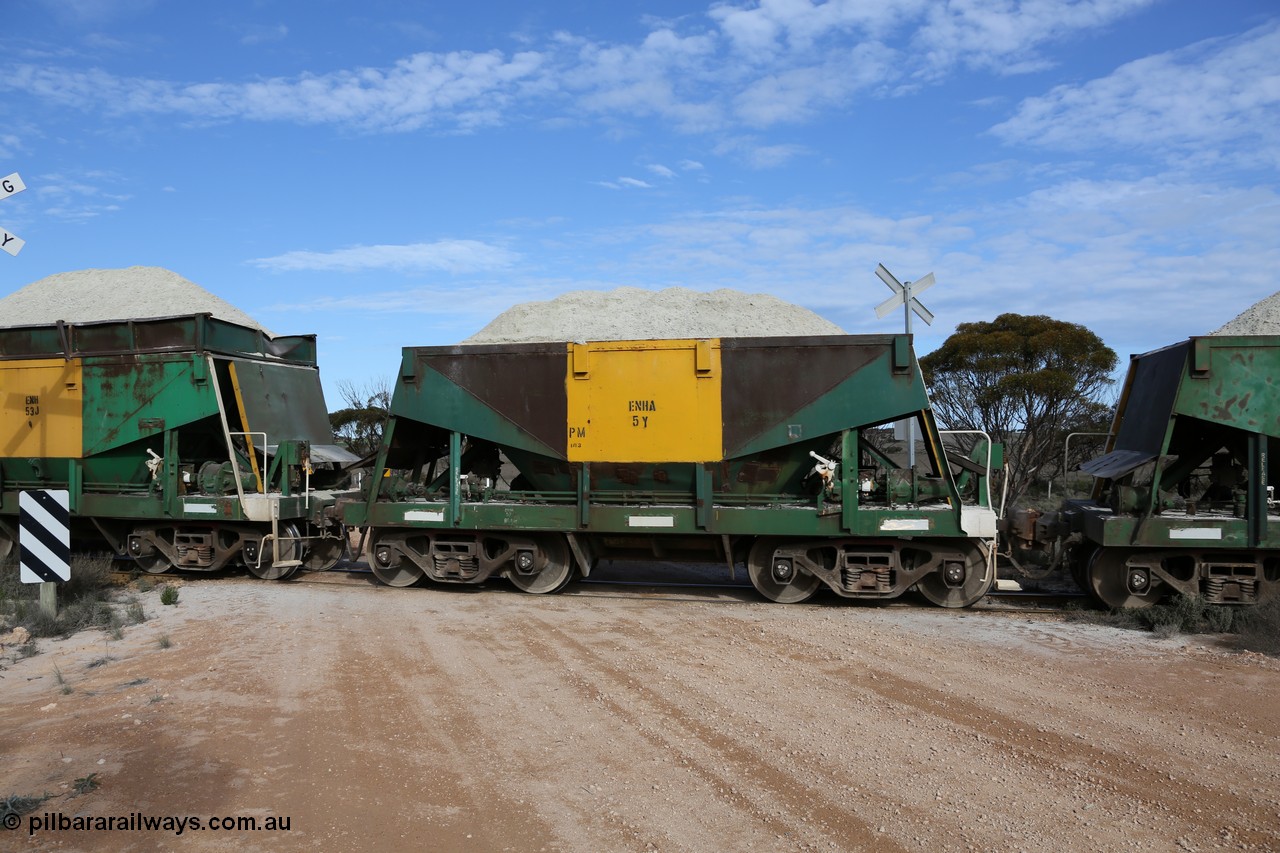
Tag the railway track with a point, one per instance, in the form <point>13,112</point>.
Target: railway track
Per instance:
<point>666,588</point>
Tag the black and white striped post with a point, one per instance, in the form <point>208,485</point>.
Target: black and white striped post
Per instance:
<point>44,537</point>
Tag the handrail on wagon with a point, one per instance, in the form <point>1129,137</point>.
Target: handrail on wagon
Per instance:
<point>982,433</point>
<point>1066,446</point>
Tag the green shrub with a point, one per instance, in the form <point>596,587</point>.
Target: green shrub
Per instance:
<point>82,601</point>
<point>1258,628</point>
<point>85,601</point>
<point>1181,615</point>
<point>168,594</point>
<point>85,784</point>
<point>1221,620</point>
<point>82,614</point>
<point>90,578</point>
<point>61,679</point>
<point>41,624</point>
<point>1166,625</point>
<point>136,614</point>
<point>16,804</point>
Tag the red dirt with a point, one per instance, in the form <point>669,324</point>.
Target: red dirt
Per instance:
<point>627,719</point>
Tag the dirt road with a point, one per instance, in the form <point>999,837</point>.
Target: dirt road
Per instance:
<point>624,719</point>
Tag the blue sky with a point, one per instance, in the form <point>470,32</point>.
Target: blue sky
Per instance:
<point>395,173</point>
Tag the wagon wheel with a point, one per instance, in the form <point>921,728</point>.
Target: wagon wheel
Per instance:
<point>322,554</point>
<point>155,563</point>
<point>958,584</point>
<point>779,579</point>
<point>6,545</point>
<point>1116,585</point>
<point>388,566</point>
<point>556,570</point>
<point>288,549</point>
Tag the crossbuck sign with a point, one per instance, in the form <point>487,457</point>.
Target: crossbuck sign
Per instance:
<point>904,293</point>
<point>11,185</point>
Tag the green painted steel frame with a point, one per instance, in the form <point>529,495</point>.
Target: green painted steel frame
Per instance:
<point>1223,383</point>
<point>425,396</point>
<point>146,381</point>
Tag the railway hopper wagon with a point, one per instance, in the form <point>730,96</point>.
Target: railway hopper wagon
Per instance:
<point>535,461</point>
<point>185,442</point>
<point>1181,501</point>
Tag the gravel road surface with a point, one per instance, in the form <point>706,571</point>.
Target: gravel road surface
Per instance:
<point>638,719</point>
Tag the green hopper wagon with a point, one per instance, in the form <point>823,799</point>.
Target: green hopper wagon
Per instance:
<point>1181,500</point>
<point>535,461</point>
<point>185,442</point>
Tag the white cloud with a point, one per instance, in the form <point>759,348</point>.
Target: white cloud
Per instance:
<point>755,65</point>
<point>75,197</point>
<point>760,30</point>
<point>94,12</point>
<point>665,75</point>
<point>759,156</point>
<point>463,89</point>
<point>264,35</point>
<point>1167,257</point>
<point>10,144</point>
<point>1003,35</point>
<point>795,94</point>
<point>934,36</point>
<point>452,256</point>
<point>661,170</point>
<point>1216,100</point>
<point>465,306</point>
<point>1143,263</point>
<point>625,184</point>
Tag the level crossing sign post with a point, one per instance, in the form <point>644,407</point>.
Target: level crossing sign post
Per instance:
<point>44,539</point>
<point>904,294</point>
<point>11,185</point>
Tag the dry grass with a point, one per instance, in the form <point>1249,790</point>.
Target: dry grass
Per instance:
<point>1255,628</point>
<point>1258,628</point>
<point>83,602</point>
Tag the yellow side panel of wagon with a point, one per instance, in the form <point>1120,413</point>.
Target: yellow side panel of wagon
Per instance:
<point>41,408</point>
<point>644,401</point>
